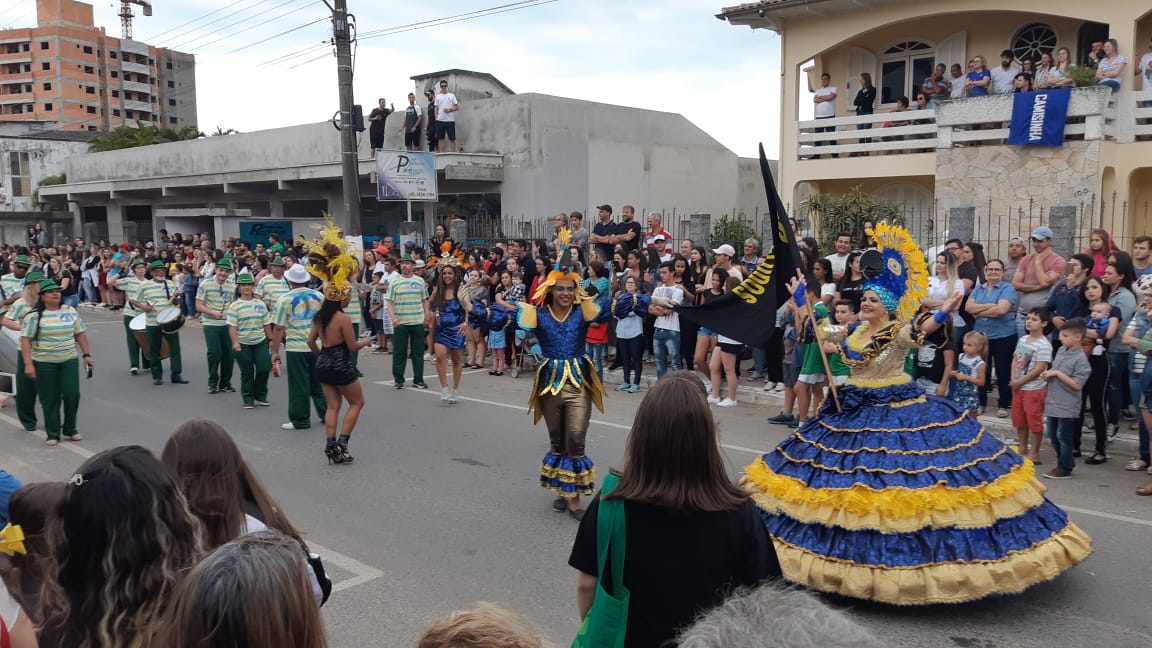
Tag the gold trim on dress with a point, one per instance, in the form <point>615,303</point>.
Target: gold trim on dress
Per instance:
<point>887,450</point>
<point>893,471</point>
<point>919,428</point>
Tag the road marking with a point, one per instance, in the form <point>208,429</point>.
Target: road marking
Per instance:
<point>362,573</point>
<point>1106,516</point>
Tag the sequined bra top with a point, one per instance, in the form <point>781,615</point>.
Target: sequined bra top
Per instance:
<point>878,361</point>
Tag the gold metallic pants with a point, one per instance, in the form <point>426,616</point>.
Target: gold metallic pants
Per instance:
<point>567,415</point>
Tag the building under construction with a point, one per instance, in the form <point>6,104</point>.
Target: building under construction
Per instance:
<point>69,71</point>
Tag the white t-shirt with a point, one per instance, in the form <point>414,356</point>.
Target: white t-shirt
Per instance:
<point>958,86</point>
<point>674,293</point>
<point>825,108</point>
<point>1003,81</point>
<point>1146,71</point>
<point>445,100</point>
<point>839,263</point>
<point>938,289</point>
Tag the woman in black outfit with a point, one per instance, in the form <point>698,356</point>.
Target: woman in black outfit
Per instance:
<point>865,103</point>
<point>693,536</point>
<point>332,328</point>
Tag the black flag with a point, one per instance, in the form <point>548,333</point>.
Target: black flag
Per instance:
<point>748,313</point>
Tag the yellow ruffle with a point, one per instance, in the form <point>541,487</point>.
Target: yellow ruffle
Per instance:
<point>895,509</point>
<point>954,582</point>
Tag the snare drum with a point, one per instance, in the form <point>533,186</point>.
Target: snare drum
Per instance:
<point>170,319</point>
<point>9,350</point>
<point>138,323</point>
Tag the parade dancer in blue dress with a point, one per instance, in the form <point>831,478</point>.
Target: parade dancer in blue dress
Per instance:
<point>451,323</point>
<point>899,496</point>
<point>566,385</point>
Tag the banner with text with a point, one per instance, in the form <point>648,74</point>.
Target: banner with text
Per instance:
<point>405,175</point>
<point>257,231</point>
<point>1038,118</point>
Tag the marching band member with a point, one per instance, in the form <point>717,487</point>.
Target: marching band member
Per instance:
<point>250,328</point>
<point>49,340</point>
<point>212,299</point>
<point>129,284</point>
<point>152,297</point>
<point>14,320</point>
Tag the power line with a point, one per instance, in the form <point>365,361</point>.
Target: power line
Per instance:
<point>197,19</point>
<point>15,6</point>
<point>275,36</point>
<point>226,16</point>
<point>251,27</point>
<point>184,42</point>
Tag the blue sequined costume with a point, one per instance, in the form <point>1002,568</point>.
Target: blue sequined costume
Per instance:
<point>448,325</point>
<point>903,498</point>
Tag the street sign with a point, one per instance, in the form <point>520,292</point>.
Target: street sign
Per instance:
<point>405,175</point>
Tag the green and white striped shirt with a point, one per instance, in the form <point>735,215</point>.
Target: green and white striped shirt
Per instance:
<point>249,317</point>
<point>58,330</point>
<point>216,297</point>
<point>294,312</point>
<point>130,286</point>
<point>271,289</point>
<point>153,294</point>
<point>407,295</point>
<point>11,285</point>
<point>18,311</point>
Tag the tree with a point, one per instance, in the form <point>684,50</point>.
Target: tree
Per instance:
<point>221,131</point>
<point>47,181</point>
<point>732,231</point>
<point>834,214</point>
<point>143,134</point>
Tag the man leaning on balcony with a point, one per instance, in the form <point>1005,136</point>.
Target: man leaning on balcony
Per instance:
<point>825,100</point>
<point>1037,273</point>
<point>1004,75</point>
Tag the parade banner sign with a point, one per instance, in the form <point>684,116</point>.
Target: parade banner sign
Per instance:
<point>257,231</point>
<point>1038,118</point>
<point>748,313</point>
<point>405,175</point>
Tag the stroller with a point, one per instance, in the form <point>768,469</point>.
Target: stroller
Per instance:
<point>529,348</point>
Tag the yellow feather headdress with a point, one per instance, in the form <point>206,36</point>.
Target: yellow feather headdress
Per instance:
<point>903,279</point>
<point>332,259</point>
<point>562,270</point>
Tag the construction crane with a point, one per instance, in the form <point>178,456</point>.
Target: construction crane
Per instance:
<point>126,15</point>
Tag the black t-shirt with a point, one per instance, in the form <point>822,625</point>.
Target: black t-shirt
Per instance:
<point>851,289</point>
<point>679,564</point>
<point>606,229</point>
<point>410,117</point>
<point>623,228</point>
<point>377,127</point>
<point>968,271</point>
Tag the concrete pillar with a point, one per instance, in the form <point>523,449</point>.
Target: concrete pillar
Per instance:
<point>962,223</point>
<point>458,230</point>
<point>1064,222</point>
<point>700,228</point>
<point>115,223</point>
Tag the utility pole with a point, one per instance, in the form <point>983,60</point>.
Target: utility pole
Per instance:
<point>342,35</point>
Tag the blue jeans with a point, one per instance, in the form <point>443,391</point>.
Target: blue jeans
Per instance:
<point>666,345</point>
<point>1061,434</point>
<point>1117,383</point>
<point>72,300</point>
<point>596,352</point>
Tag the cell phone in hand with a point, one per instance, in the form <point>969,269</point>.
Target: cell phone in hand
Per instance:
<point>1068,268</point>
<point>89,371</point>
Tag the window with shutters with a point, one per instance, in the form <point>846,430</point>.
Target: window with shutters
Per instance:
<point>21,173</point>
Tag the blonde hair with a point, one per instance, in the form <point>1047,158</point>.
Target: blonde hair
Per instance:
<point>483,626</point>
<point>981,342</point>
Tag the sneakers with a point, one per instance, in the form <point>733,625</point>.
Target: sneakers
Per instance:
<point>755,375</point>
<point>1001,413</point>
<point>633,388</point>
<point>795,423</point>
<point>1113,430</point>
<point>622,387</point>
<point>783,418</point>
<point>770,386</point>
<point>1056,473</point>
<point>1136,465</point>
<point>134,371</point>
<point>263,403</point>
<point>444,393</point>
<point>399,385</point>
<point>1128,415</point>
<point>727,402</point>
<point>287,426</point>
<point>452,396</point>
<point>428,357</point>
<point>249,406</point>
<point>712,400</point>
<point>420,385</point>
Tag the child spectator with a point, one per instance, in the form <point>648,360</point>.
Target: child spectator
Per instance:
<point>970,373</point>
<point>810,384</point>
<point>934,364</point>
<point>845,314</point>
<point>1070,370</point>
<point>378,313</point>
<point>1032,357</point>
<point>1099,320</point>
<point>791,368</point>
<point>596,340</point>
<point>630,334</point>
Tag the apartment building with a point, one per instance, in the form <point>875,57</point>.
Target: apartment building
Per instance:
<point>69,71</point>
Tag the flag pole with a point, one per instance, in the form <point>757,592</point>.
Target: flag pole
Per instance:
<point>824,358</point>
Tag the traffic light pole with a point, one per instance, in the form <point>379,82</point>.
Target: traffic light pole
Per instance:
<point>349,221</point>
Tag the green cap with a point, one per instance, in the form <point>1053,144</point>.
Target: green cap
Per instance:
<point>244,279</point>
<point>157,265</point>
<point>33,277</point>
<point>278,261</point>
<point>225,264</point>
<point>406,257</point>
<point>22,260</point>
<point>48,285</point>
<point>138,262</point>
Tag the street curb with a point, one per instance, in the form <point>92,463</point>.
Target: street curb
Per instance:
<point>1125,443</point>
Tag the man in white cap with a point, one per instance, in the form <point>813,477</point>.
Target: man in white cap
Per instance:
<point>1036,274</point>
<point>293,321</point>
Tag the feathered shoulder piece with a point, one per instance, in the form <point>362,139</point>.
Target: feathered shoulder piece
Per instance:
<point>902,280</point>
<point>450,254</point>
<point>332,259</point>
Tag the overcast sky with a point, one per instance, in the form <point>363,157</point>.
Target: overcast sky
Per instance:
<point>671,55</point>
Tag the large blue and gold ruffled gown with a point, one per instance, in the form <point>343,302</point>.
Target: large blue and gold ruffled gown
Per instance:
<point>901,497</point>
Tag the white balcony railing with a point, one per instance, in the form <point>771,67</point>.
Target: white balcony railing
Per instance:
<point>1094,113</point>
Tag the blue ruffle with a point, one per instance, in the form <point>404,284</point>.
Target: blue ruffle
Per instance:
<point>924,546</point>
<point>567,475</point>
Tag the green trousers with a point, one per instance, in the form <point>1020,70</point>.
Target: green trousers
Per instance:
<point>58,383</point>
<point>220,356</point>
<point>135,354</point>
<point>255,366</point>
<point>302,388</point>
<point>403,336</point>
<point>25,396</point>
<point>155,335</point>
<point>355,354</point>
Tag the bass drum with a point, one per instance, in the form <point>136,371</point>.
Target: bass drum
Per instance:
<point>142,340</point>
<point>170,319</point>
<point>9,351</point>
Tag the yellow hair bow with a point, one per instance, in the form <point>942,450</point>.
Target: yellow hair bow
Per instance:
<point>12,540</point>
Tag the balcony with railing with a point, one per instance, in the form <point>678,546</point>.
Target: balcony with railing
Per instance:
<point>1094,113</point>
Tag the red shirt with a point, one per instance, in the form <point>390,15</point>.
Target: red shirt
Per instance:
<point>597,334</point>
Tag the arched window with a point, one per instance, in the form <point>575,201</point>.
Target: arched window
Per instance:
<point>903,67</point>
<point>1032,40</point>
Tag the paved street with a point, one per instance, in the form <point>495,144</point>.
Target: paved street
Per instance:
<point>441,507</point>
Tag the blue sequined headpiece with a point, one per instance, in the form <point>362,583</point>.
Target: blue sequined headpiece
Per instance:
<point>889,300</point>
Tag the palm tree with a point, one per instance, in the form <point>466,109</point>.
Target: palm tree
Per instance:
<point>142,134</point>
<point>49,180</point>
<point>221,131</point>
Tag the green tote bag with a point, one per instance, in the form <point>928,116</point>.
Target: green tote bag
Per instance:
<point>607,621</point>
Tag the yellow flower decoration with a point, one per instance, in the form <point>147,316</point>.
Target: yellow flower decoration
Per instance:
<point>12,540</point>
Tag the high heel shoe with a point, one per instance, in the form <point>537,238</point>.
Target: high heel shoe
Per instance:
<point>334,452</point>
<point>342,444</point>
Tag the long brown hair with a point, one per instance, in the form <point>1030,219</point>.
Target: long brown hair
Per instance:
<point>31,508</point>
<point>253,591</point>
<point>219,483</point>
<point>672,458</point>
